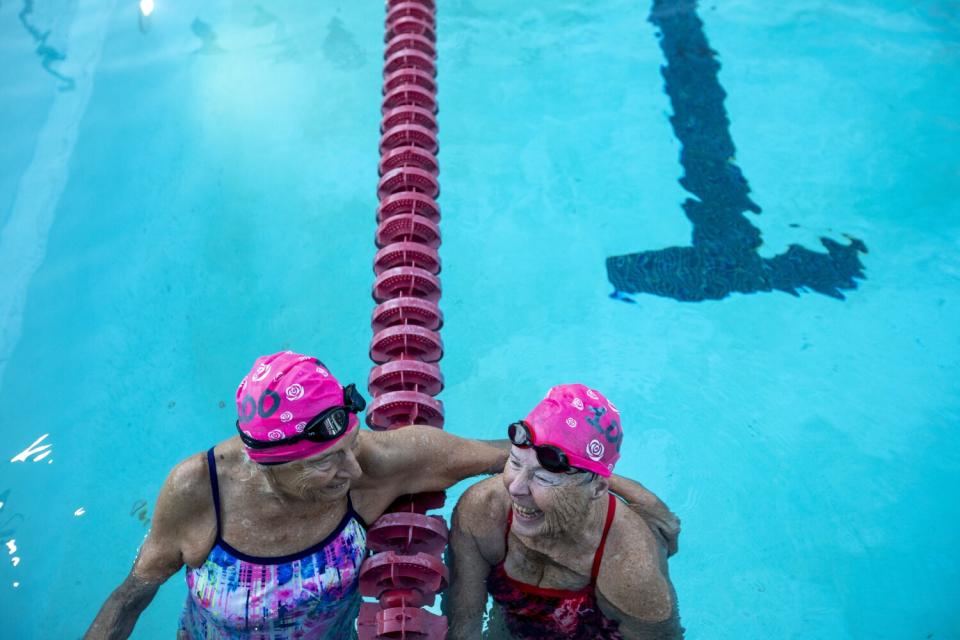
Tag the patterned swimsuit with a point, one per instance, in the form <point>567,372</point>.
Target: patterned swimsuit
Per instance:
<point>311,594</point>
<point>532,612</point>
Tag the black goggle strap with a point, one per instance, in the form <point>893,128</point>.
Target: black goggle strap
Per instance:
<point>352,399</point>
<point>253,443</point>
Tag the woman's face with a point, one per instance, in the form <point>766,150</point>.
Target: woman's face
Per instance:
<point>544,503</point>
<point>326,476</point>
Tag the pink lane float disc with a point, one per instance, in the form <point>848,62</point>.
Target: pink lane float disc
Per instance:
<point>407,135</point>
<point>406,341</point>
<point>409,203</point>
<point>409,75</point>
<point>398,409</point>
<point>405,375</point>
<point>408,114</point>
<point>406,254</point>
<point>409,24</point>
<point>429,4</point>
<point>406,598</point>
<point>408,533</point>
<point>411,59</point>
<point>409,157</point>
<point>390,570</point>
<point>401,282</point>
<point>408,179</point>
<point>410,9</point>
<point>399,623</point>
<point>407,310</point>
<point>408,227</point>
<point>409,94</point>
<point>418,503</point>
<point>409,41</point>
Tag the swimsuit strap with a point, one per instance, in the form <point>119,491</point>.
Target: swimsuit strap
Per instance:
<point>214,486</point>
<point>353,512</point>
<point>598,557</point>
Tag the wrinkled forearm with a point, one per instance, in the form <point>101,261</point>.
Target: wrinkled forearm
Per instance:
<point>503,446</point>
<point>465,602</point>
<point>467,458</point>
<point>120,612</point>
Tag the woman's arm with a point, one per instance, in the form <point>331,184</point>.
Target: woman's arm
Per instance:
<point>418,458</point>
<point>120,612</point>
<point>476,523</point>
<point>180,502</point>
<point>650,508</point>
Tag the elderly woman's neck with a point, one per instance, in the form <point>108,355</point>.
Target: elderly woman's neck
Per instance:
<point>577,531</point>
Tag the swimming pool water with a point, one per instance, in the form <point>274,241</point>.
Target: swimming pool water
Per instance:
<point>179,198</point>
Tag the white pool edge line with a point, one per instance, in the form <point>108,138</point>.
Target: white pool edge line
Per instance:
<point>23,240</point>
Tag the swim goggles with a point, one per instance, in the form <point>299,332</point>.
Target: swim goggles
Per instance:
<point>329,424</point>
<point>551,458</point>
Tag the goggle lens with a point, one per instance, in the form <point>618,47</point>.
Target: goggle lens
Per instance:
<point>550,457</point>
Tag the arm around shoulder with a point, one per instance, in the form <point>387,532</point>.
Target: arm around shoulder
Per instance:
<point>161,554</point>
<point>664,522</point>
<point>418,458</point>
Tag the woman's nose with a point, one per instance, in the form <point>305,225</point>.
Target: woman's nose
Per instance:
<point>519,485</point>
<point>351,467</point>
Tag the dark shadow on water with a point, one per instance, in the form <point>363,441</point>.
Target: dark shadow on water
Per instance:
<point>723,257</point>
<point>48,55</point>
<point>341,48</point>
<point>207,36</point>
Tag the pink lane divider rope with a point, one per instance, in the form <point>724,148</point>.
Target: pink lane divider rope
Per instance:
<point>406,571</point>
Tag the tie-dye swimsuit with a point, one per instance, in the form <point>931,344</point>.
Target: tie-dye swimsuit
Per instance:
<point>311,594</point>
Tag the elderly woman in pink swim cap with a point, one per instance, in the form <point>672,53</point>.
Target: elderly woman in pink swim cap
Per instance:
<point>271,523</point>
<point>550,543</point>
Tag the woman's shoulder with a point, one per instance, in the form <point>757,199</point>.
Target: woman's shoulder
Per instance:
<point>483,507</point>
<point>188,483</point>
<point>189,480</point>
<point>633,573</point>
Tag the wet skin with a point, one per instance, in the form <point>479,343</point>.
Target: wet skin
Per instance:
<point>282,509</point>
<point>557,526</point>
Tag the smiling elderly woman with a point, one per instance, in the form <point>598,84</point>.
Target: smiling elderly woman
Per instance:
<point>547,541</point>
<point>271,523</point>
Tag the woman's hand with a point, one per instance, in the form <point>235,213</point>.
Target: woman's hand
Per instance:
<point>649,507</point>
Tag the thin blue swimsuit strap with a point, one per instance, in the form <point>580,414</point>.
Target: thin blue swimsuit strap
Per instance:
<point>214,486</point>
<point>353,512</point>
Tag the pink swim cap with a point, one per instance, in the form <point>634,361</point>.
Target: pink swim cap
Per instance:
<point>277,399</point>
<point>580,422</point>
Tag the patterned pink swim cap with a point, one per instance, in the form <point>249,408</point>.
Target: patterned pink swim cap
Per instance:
<point>582,423</point>
<point>277,399</point>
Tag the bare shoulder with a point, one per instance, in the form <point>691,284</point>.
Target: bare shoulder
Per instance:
<point>484,504</point>
<point>382,454</point>
<point>481,513</point>
<point>183,526</point>
<point>188,484</point>
<point>633,574</point>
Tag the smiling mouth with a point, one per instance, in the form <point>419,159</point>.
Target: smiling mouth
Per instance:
<point>526,513</point>
<point>337,487</point>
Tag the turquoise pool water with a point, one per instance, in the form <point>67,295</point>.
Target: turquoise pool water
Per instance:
<point>180,198</point>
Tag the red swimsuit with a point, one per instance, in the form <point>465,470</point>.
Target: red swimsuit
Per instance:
<point>534,613</point>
